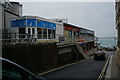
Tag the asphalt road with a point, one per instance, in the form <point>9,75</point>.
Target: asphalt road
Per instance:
<point>86,70</point>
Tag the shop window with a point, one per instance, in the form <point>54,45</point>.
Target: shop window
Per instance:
<point>21,32</point>
<point>70,33</point>
<point>53,34</point>
<point>49,33</point>
<point>33,30</point>
<point>39,30</point>
<point>29,31</point>
<point>65,29</point>
<point>78,33</point>
<point>44,33</point>
<point>74,33</point>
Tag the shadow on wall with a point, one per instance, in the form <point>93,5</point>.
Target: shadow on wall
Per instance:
<point>34,57</point>
<point>37,57</point>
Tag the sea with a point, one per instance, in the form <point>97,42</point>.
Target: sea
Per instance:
<point>107,41</point>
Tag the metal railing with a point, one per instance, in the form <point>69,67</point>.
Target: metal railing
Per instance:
<point>28,38</point>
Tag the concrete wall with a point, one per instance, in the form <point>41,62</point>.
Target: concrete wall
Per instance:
<point>1,16</point>
<point>8,18</point>
<point>118,30</point>
<point>40,57</point>
<point>17,8</point>
<point>34,57</point>
<point>11,13</point>
<point>118,21</point>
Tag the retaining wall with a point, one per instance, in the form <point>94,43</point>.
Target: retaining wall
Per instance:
<point>34,57</point>
<point>39,57</point>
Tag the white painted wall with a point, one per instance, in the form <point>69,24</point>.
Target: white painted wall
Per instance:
<point>59,29</point>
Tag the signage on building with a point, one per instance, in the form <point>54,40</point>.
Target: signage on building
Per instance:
<point>45,24</point>
<point>86,31</point>
<point>18,23</point>
<point>32,23</point>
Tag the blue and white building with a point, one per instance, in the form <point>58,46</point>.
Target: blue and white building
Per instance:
<point>36,27</point>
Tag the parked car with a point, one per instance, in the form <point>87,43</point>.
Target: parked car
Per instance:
<point>13,71</point>
<point>111,48</point>
<point>99,55</point>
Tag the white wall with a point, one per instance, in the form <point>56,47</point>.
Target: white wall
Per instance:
<point>59,29</point>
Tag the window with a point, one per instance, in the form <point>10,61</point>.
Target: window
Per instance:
<point>21,32</point>
<point>53,34</point>
<point>44,33</point>
<point>10,75</point>
<point>74,33</point>
<point>78,33</point>
<point>49,33</point>
<point>9,72</point>
<point>13,72</point>
<point>40,33</point>
<point>33,30</point>
<point>29,31</point>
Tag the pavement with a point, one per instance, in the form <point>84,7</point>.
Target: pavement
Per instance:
<point>88,69</point>
<point>113,71</point>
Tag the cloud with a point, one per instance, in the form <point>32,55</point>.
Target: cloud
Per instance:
<point>91,15</point>
<point>63,0</point>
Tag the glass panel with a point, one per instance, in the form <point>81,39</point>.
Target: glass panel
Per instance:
<point>28,35</point>
<point>44,33</point>
<point>53,34</point>
<point>21,32</point>
<point>39,30</point>
<point>29,31</point>
<point>33,30</point>
<point>31,78</point>
<point>9,72</point>
<point>49,33</point>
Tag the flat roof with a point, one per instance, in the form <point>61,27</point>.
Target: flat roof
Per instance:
<point>39,18</point>
<point>78,27</point>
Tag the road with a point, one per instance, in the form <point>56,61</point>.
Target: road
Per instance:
<point>88,69</point>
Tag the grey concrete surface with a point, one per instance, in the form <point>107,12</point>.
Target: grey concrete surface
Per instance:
<point>89,69</point>
<point>113,71</point>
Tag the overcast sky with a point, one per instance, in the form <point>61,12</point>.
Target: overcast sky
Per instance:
<point>97,16</point>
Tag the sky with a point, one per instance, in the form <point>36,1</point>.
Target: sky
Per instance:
<point>96,16</point>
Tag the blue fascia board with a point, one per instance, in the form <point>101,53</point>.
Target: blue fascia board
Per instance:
<point>33,23</point>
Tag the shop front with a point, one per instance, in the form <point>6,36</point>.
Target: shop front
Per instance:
<point>34,28</point>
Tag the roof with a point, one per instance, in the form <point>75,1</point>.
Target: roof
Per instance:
<point>39,18</point>
<point>87,30</point>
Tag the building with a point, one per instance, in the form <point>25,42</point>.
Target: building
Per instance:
<point>84,36</point>
<point>28,28</point>
<point>8,11</point>
<point>37,28</point>
<point>117,7</point>
<point>42,30</point>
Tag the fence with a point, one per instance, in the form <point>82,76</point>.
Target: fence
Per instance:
<point>27,38</point>
<point>32,38</point>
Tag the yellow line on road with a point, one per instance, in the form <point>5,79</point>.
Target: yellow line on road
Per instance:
<point>63,66</point>
<point>104,69</point>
